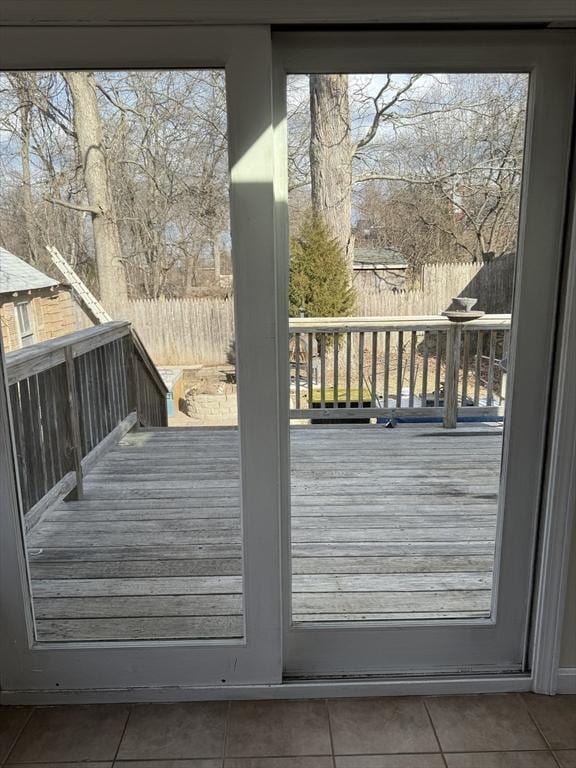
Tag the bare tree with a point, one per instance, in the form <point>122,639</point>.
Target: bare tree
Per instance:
<point>161,175</point>
<point>167,131</point>
<point>331,156</point>
<point>23,85</point>
<point>442,154</point>
<point>429,166</point>
<point>462,170</point>
<point>34,114</point>
<point>333,147</point>
<point>88,127</point>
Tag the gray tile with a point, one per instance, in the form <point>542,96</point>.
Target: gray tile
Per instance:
<point>278,762</point>
<point>501,760</point>
<point>278,729</point>
<point>12,721</point>
<point>390,761</point>
<point>556,716</point>
<point>73,733</point>
<point>174,731</point>
<point>483,723</point>
<point>380,726</point>
<point>82,764</point>
<point>201,763</point>
<point>566,759</point>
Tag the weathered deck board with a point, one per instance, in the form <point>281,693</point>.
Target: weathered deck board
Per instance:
<point>119,607</point>
<point>386,524</point>
<point>173,627</point>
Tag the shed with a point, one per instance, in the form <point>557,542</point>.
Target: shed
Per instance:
<point>379,268</point>
<point>33,306</point>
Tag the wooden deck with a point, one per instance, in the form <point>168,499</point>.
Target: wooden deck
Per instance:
<point>386,524</point>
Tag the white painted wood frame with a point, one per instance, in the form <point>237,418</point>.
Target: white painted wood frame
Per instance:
<point>26,665</point>
<point>181,671</point>
<point>559,508</point>
<point>498,645</point>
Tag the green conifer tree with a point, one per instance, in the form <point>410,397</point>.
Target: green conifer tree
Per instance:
<point>319,276</point>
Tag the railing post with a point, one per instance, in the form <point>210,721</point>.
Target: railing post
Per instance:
<point>453,336</point>
<point>133,388</point>
<point>74,421</point>
<point>504,364</point>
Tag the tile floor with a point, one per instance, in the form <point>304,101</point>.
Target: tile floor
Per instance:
<point>492,731</point>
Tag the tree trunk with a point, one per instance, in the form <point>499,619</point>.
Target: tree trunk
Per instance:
<point>27,185</point>
<point>88,126</point>
<point>190,272</point>
<point>22,83</point>
<point>331,157</point>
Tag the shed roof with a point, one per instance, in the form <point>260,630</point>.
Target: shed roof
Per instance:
<point>17,275</point>
<point>382,256</point>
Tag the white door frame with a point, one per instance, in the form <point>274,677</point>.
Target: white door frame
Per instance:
<point>246,56</point>
<point>138,671</point>
<point>559,512</point>
<point>499,644</point>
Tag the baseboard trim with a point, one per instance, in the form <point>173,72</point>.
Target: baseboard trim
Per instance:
<point>566,680</point>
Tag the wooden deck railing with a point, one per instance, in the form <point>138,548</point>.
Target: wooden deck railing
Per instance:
<point>350,368</point>
<point>72,397</point>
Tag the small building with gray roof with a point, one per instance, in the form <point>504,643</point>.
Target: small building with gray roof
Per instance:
<point>33,306</point>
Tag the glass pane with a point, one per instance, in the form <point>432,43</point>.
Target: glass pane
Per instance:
<point>26,341</point>
<point>127,443</point>
<point>23,319</point>
<point>404,200</point>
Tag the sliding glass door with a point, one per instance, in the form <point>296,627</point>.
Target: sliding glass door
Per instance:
<point>136,439</point>
<point>423,181</point>
<point>355,239</point>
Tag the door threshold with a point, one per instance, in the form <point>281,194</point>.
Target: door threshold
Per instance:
<point>290,689</point>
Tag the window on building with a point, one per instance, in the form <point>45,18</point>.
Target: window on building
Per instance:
<point>25,328</point>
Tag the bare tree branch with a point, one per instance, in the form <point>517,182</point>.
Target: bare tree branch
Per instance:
<point>381,110</point>
<point>73,206</point>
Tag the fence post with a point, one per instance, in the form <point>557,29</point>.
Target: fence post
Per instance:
<point>74,420</point>
<point>453,336</point>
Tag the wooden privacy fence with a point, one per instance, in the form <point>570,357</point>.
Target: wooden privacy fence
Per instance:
<point>71,398</point>
<point>185,331</point>
<point>398,367</point>
<point>491,283</point>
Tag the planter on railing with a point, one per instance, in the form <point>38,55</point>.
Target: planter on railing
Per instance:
<point>71,397</point>
<point>398,368</point>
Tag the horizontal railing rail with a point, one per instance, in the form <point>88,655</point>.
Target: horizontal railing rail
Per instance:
<point>26,362</point>
<point>399,367</point>
<point>73,396</point>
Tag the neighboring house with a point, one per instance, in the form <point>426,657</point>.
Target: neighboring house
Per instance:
<point>33,306</point>
<point>378,268</point>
